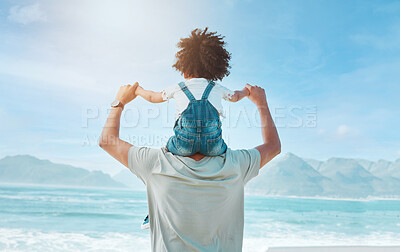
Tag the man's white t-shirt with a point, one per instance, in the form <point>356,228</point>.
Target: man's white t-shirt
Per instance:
<point>196,86</point>
<point>195,205</point>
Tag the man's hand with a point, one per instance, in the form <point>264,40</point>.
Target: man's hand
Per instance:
<point>127,93</point>
<point>109,139</point>
<point>257,95</point>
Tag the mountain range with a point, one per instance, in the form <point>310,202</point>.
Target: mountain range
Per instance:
<point>291,175</point>
<point>288,175</point>
<point>31,170</point>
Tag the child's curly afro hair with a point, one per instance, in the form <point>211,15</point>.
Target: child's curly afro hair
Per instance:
<point>203,55</point>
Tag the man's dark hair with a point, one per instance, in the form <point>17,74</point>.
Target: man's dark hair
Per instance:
<point>203,55</point>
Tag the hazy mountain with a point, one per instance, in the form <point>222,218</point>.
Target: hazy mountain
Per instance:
<point>394,169</point>
<point>290,175</point>
<point>380,168</point>
<point>129,179</point>
<point>365,163</point>
<point>350,176</point>
<point>29,169</point>
<point>336,177</point>
<point>345,170</point>
<point>316,164</point>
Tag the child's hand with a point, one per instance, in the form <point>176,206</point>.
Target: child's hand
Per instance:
<point>138,90</point>
<point>246,90</point>
<point>239,94</point>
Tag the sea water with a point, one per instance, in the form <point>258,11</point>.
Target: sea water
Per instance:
<point>42,218</point>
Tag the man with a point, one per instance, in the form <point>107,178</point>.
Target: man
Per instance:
<point>196,203</point>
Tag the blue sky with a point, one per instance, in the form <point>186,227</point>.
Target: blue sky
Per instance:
<point>330,70</point>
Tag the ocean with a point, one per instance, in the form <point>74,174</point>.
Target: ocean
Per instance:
<point>44,218</point>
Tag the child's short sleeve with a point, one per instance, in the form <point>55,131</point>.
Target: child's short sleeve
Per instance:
<point>225,92</point>
<point>169,92</point>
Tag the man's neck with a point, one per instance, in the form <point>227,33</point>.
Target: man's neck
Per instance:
<point>197,156</point>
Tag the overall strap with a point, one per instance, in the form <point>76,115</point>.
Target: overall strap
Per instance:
<point>186,91</point>
<point>207,91</point>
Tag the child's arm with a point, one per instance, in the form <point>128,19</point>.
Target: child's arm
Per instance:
<point>239,94</point>
<point>151,96</point>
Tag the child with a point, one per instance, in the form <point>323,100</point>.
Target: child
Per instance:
<point>202,59</point>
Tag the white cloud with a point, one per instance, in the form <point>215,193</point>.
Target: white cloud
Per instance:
<point>101,47</point>
<point>46,73</point>
<point>26,14</point>
<point>344,131</point>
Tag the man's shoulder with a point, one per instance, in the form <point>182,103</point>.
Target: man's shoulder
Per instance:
<point>133,148</point>
<point>143,153</point>
<point>241,152</point>
<point>141,160</point>
<point>236,154</point>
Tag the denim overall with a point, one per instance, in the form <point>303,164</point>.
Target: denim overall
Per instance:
<point>198,129</point>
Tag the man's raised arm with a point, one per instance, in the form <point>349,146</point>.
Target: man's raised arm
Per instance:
<point>109,139</point>
<point>272,145</point>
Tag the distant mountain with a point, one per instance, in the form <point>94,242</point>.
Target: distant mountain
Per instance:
<point>288,175</point>
<point>380,168</point>
<point>394,169</point>
<point>29,169</point>
<point>291,175</point>
<point>314,163</point>
<point>129,179</point>
<point>352,178</point>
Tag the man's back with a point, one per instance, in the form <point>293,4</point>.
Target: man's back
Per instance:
<point>195,205</point>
